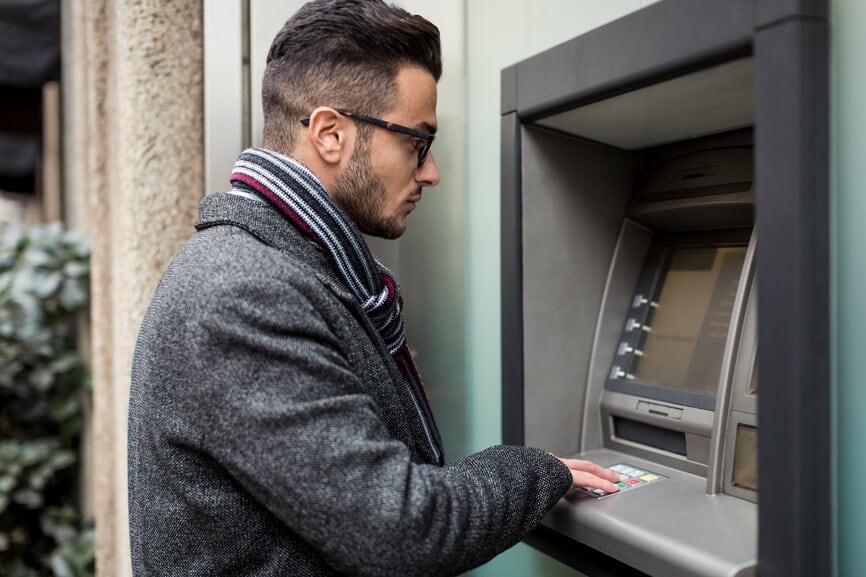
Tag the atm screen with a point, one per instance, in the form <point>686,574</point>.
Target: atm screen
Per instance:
<point>683,349</point>
<point>675,338</point>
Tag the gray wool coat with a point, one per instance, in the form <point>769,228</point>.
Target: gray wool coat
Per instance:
<point>270,432</point>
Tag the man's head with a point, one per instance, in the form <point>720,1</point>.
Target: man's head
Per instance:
<point>344,67</point>
<point>345,54</point>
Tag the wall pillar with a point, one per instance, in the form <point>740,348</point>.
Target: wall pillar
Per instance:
<point>136,138</point>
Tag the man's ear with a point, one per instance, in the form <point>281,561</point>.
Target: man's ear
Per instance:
<point>330,135</point>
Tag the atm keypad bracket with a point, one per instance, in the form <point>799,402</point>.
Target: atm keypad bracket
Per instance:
<point>630,478</point>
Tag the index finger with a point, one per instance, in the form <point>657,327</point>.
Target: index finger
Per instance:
<point>591,468</point>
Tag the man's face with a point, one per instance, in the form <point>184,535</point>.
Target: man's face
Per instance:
<point>382,182</point>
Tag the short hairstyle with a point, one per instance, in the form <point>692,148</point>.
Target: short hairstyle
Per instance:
<point>344,54</point>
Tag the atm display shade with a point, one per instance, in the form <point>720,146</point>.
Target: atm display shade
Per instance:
<point>675,333</point>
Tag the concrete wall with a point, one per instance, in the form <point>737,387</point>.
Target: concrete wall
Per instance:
<point>134,139</point>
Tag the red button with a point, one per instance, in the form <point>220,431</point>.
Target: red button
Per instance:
<point>634,482</point>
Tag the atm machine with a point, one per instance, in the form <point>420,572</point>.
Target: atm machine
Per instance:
<point>648,167</point>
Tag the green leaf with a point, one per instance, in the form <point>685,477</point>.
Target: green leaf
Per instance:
<point>37,258</point>
<point>75,557</point>
<point>28,497</point>
<point>8,451</point>
<point>62,459</point>
<point>35,451</point>
<point>46,283</point>
<point>42,380</point>
<point>76,269</point>
<point>7,482</point>
<point>61,566</point>
<point>63,530</point>
<point>72,295</point>
<point>65,362</point>
<point>38,478</point>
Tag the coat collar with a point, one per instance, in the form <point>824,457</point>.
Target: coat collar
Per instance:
<point>267,224</point>
<point>261,220</point>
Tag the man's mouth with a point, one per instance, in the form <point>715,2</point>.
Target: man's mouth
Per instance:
<point>414,199</point>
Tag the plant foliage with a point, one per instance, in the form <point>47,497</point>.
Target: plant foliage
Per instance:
<point>43,283</point>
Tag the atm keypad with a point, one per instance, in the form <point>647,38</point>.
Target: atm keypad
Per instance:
<point>629,478</point>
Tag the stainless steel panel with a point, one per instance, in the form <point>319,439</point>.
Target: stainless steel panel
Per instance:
<point>670,528</point>
<point>574,199</point>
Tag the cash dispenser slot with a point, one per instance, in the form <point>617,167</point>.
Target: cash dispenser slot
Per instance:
<point>650,435</point>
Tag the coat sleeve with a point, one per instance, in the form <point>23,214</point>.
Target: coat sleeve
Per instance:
<point>278,406</point>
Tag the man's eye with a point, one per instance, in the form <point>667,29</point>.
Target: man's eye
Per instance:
<point>418,144</point>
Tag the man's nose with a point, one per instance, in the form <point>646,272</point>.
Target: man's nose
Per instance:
<point>427,174</point>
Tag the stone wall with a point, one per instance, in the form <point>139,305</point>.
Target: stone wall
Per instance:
<point>133,148</point>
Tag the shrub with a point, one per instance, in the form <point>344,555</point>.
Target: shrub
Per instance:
<point>43,283</point>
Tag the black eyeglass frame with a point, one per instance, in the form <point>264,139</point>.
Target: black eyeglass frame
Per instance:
<point>391,126</point>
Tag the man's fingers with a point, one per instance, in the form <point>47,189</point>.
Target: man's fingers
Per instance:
<point>579,466</point>
<point>584,479</point>
<point>588,474</point>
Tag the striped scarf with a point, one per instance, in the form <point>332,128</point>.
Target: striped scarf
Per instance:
<point>301,198</point>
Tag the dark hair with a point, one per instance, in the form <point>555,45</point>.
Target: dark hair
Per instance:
<point>345,54</point>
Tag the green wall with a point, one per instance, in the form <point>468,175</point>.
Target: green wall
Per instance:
<point>498,34</point>
<point>848,282</point>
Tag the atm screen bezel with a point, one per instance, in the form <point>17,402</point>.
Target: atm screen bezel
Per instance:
<point>654,265</point>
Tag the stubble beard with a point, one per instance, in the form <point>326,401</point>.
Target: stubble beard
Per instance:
<point>362,195</point>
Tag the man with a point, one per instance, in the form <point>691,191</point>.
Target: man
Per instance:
<point>278,425</point>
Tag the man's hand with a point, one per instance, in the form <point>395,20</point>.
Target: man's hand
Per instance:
<point>587,474</point>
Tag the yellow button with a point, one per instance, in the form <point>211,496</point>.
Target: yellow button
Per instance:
<point>649,477</point>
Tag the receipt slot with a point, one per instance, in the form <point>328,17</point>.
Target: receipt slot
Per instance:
<point>661,177</point>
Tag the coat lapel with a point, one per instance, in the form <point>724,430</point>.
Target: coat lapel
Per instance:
<point>270,227</point>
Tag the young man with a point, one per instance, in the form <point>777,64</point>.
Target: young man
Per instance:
<point>278,425</point>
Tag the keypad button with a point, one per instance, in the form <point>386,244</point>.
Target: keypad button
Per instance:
<point>630,478</point>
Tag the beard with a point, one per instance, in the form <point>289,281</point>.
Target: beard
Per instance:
<point>361,194</point>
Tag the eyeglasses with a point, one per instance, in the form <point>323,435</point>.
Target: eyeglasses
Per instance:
<point>423,143</point>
